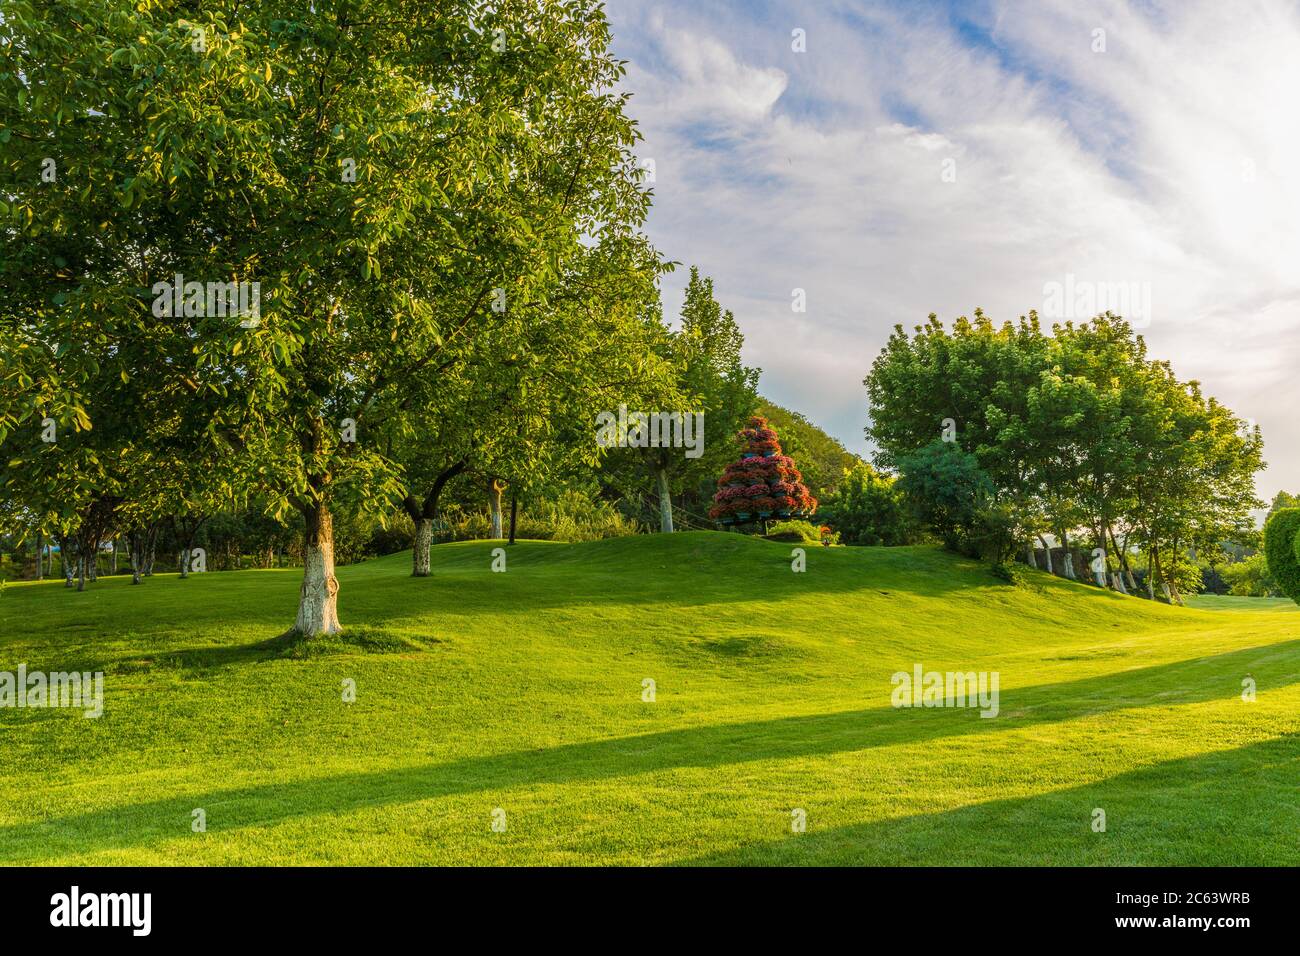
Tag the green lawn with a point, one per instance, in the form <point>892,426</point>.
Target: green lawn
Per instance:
<point>1230,602</point>
<point>523,691</point>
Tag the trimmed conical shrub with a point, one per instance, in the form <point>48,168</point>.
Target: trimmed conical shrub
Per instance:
<point>763,483</point>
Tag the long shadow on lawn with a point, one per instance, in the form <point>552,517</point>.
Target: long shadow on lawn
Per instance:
<point>1237,807</point>
<point>717,745</point>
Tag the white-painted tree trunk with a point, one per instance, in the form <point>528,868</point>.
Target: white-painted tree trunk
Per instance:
<point>318,599</point>
<point>420,553</point>
<point>665,502</point>
<point>494,503</point>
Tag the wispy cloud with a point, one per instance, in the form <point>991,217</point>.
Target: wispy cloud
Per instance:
<point>939,159</point>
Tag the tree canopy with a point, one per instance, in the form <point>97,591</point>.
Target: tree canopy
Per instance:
<point>395,190</point>
<point>1076,432</point>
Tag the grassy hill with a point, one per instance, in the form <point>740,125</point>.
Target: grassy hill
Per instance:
<point>523,691</point>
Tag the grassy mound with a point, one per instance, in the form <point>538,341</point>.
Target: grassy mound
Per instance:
<point>522,692</point>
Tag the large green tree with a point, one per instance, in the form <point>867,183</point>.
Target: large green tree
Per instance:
<point>355,158</point>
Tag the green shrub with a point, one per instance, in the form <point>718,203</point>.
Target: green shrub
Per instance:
<point>801,531</point>
<point>1249,578</point>
<point>573,516</point>
<point>952,496</point>
<point>395,534</point>
<point>1280,537</point>
<point>868,508</point>
<point>1017,575</point>
<point>1006,572</point>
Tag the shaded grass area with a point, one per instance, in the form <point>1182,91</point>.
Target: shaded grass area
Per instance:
<point>523,691</point>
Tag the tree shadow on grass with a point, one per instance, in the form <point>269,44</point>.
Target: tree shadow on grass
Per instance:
<point>199,661</point>
<point>718,745</point>
<point>1237,807</point>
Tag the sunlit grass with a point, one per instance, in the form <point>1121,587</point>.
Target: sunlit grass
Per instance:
<point>523,691</point>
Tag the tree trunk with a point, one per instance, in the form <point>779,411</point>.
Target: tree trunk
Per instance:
<point>135,552</point>
<point>665,501</point>
<point>1067,558</point>
<point>1123,556</point>
<point>494,505</point>
<point>187,555</point>
<point>420,552</point>
<point>94,560</point>
<point>1164,582</point>
<point>423,513</point>
<point>514,515</point>
<point>1175,596</point>
<point>1048,553</point>
<point>65,566</point>
<point>318,599</point>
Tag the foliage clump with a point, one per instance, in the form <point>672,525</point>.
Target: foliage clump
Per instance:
<point>801,532</point>
<point>1282,549</point>
<point>868,507</point>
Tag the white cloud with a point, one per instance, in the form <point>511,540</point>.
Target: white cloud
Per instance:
<point>1168,159</point>
<point>712,83</point>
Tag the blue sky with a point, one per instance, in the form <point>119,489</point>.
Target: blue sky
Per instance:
<point>940,157</point>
